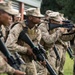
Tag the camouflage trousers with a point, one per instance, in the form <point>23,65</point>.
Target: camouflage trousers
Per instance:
<point>52,59</point>
<point>54,62</point>
<point>41,70</point>
<point>29,68</point>
<point>62,53</point>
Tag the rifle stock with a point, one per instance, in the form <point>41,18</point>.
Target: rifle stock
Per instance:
<point>39,55</point>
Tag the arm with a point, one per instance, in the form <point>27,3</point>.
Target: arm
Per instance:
<point>6,68</point>
<point>68,36</point>
<point>37,52</point>
<point>49,38</point>
<point>12,39</point>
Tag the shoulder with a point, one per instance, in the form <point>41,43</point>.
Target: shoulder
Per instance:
<point>17,28</point>
<point>43,27</point>
<point>19,25</point>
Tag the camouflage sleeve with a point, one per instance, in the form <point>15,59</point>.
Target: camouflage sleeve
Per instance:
<point>4,67</point>
<point>12,39</point>
<point>49,38</point>
<point>68,36</point>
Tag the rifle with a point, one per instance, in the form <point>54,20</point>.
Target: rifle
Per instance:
<point>15,63</point>
<point>66,24</point>
<point>38,52</point>
<point>70,52</point>
<point>56,52</point>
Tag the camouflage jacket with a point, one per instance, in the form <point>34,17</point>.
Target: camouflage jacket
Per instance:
<point>47,37</point>
<point>14,44</point>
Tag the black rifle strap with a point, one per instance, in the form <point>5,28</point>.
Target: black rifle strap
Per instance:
<point>14,24</point>
<point>49,22</point>
<point>7,31</point>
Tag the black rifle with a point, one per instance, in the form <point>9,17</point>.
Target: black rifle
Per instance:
<point>66,24</point>
<point>56,52</point>
<point>70,52</point>
<point>19,59</point>
<point>39,54</point>
<point>42,50</point>
<point>14,62</point>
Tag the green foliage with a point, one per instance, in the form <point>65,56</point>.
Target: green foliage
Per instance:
<point>69,9</point>
<point>3,74</point>
<point>64,6</point>
<point>49,4</point>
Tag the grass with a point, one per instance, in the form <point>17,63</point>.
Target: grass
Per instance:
<point>3,74</point>
<point>68,67</point>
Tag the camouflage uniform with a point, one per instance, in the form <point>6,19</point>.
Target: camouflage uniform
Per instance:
<point>61,46</point>
<point>5,8</point>
<point>13,44</point>
<point>41,70</point>
<point>4,67</point>
<point>64,39</point>
<point>48,40</point>
<point>2,36</point>
<point>72,43</point>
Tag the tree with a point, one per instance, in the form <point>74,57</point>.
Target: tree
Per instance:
<point>49,4</point>
<point>67,7</point>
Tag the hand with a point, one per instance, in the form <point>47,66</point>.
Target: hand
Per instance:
<point>63,30</point>
<point>17,72</point>
<point>43,63</point>
<point>30,53</point>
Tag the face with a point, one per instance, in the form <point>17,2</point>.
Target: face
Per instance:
<point>5,19</point>
<point>36,20</point>
<point>16,19</point>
